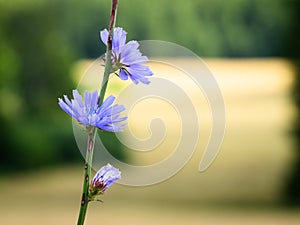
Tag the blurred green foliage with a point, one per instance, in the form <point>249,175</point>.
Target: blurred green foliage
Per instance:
<point>232,28</point>
<point>40,40</point>
<point>292,49</point>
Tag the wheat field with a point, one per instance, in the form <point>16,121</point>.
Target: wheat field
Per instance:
<point>243,185</point>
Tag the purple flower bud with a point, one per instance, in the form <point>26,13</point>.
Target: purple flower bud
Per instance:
<point>103,179</point>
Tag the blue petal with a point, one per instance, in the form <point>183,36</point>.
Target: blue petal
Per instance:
<point>94,100</point>
<point>130,48</point>
<point>77,97</point>
<point>130,54</point>
<point>139,72</point>
<point>67,101</point>
<point>65,107</point>
<point>123,75</point>
<point>119,39</point>
<point>106,103</point>
<point>87,101</point>
<point>138,69</point>
<point>116,109</point>
<point>104,36</point>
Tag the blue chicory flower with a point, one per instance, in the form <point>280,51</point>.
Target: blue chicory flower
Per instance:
<point>89,113</point>
<point>127,58</point>
<point>103,179</point>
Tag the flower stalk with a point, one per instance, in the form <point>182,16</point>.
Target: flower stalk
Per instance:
<point>92,131</point>
<point>87,173</point>
<point>108,63</point>
<point>94,112</point>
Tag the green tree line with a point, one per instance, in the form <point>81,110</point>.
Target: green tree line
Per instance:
<point>40,40</point>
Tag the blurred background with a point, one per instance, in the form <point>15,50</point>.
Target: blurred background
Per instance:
<point>251,46</point>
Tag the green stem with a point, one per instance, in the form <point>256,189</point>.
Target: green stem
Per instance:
<point>87,174</point>
<point>107,69</point>
<point>92,131</point>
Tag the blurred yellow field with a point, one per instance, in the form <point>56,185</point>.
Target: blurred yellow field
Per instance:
<point>257,148</point>
<point>51,197</point>
<point>243,185</point>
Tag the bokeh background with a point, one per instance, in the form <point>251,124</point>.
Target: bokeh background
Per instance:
<point>252,47</point>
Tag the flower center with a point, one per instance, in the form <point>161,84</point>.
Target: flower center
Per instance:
<point>116,63</point>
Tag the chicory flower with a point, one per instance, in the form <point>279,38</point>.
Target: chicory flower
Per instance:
<point>127,58</point>
<point>87,111</point>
